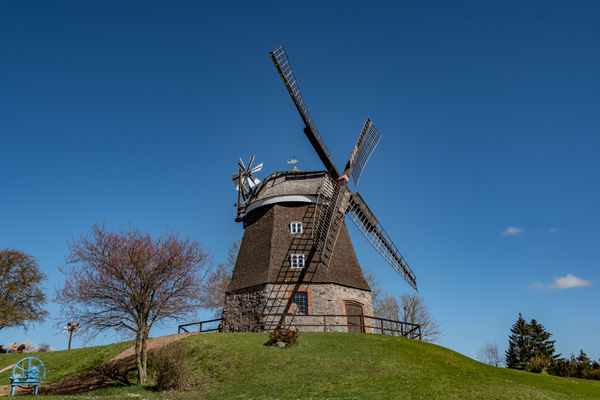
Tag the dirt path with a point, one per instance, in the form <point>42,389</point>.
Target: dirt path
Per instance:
<point>113,371</point>
<point>7,368</point>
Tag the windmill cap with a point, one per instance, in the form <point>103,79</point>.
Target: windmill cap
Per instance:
<point>287,187</point>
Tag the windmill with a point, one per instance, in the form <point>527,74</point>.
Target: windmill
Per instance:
<point>296,254</point>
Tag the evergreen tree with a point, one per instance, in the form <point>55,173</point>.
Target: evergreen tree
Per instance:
<point>584,364</point>
<point>529,346</point>
<point>542,348</point>
<point>541,344</point>
<point>519,346</point>
<point>575,367</point>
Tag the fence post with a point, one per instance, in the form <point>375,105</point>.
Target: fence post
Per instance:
<point>382,331</point>
<point>402,328</point>
<point>420,336</point>
<point>324,323</point>
<point>200,329</point>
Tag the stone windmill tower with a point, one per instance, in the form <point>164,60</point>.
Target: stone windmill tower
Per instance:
<point>296,261</point>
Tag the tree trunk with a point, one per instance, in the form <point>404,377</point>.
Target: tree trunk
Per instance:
<point>144,355</point>
<point>138,357</point>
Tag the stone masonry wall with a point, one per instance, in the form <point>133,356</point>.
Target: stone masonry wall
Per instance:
<point>241,306</point>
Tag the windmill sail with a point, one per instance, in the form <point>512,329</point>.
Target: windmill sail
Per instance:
<point>282,63</point>
<point>328,216</point>
<point>335,199</point>
<point>365,145</point>
<point>367,224</point>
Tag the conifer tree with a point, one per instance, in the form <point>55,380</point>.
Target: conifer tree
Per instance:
<point>529,346</point>
<point>519,346</point>
<point>542,346</point>
<point>583,363</point>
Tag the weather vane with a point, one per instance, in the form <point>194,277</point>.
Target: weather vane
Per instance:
<point>293,162</point>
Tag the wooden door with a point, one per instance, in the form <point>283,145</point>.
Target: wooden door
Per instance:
<point>354,312</point>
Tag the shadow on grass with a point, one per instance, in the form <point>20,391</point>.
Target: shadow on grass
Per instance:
<point>111,373</point>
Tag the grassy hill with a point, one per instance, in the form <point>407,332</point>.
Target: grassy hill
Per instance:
<point>347,366</point>
<point>64,363</point>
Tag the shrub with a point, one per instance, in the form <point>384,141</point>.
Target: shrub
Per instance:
<point>538,364</point>
<point>593,374</point>
<point>170,367</point>
<point>30,347</point>
<point>45,347</point>
<point>562,367</point>
<point>287,336</point>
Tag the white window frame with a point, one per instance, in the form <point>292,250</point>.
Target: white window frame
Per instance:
<point>296,227</point>
<point>296,261</point>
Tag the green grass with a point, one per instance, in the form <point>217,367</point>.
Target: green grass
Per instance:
<point>362,367</point>
<point>347,366</point>
<point>64,363</point>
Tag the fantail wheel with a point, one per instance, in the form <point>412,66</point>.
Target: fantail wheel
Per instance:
<point>30,368</point>
<point>30,371</point>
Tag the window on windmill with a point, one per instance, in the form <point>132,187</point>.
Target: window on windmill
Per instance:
<point>297,261</point>
<point>300,300</point>
<point>296,227</point>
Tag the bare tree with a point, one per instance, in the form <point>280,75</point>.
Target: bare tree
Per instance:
<point>386,306</point>
<point>129,281</point>
<point>21,298</point>
<point>490,354</point>
<point>375,289</point>
<point>411,309</point>
<point>415,311</point>
<point>219,278</point>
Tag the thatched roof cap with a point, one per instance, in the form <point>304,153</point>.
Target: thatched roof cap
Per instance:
<point>267,244</point>
<point>285,183</point>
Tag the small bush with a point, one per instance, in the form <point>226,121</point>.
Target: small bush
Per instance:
<point>45,347</point>
<point>538,364</point>
<point>287,336</point>
<point>170,367</point>
<point>30,347</point>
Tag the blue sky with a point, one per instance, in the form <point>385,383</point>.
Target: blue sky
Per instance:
<point>135,113</point>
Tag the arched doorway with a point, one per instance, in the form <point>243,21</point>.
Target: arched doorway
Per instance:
<point>354,316</point>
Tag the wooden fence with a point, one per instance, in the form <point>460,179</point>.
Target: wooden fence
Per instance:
<point>316,323</point>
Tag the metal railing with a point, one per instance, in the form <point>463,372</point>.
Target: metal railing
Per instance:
<point>201,326</point>
<point>320,323</point>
